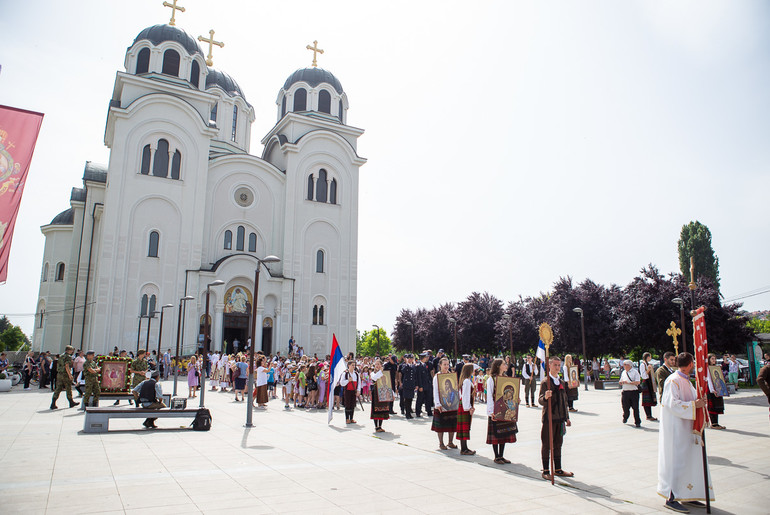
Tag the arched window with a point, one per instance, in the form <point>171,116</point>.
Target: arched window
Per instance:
<point>283,106</point>
<point>320,190</point>
<point>340,110</point>
<point>228,240</point>
<point>195,73</point>
<point>170,63</point>
<point>213,116</point>
<point>146,157</point>
<point>252,242</point>
<point>151,308</point>
<point>143,307</point>
<point>315,315</point>
<point>160,165</point>
<point>152,251</point>
<point>45,273</point>
<point>235,123</point>
<point>60,272</point>
<point>321,315</point>
<point>300,100</point>
<point>319,261</point>
<point>176,164</point>
<point>325,102</point>
<point>143,61</point>
<point>310,187</point>
<point>239,236</point>
<point>333,192</point>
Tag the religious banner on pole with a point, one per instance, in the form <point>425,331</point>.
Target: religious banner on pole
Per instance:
<point>18,135</point>
<point>701,366</point>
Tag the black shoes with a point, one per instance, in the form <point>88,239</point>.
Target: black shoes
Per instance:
<point>676,506</point>
<point>53,406</point>
<point>73,404</point>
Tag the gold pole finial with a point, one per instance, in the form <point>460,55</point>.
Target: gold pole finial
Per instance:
<point>174,9</point>
<point>692,284</point>
<point>211,42</point>
<point>316,51</point>
<point>673,332</point>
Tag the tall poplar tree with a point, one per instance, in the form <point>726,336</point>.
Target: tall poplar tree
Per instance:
<point>695,241</point>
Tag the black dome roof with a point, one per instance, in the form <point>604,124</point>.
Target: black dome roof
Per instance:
<point>160,33</point>
<point>224,81</point>
<point>314,77</point>
<point>66,217</point>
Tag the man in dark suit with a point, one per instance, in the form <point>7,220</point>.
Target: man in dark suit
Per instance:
<point>424,387</point>
<point>662,373</point>
<point>407,374</point>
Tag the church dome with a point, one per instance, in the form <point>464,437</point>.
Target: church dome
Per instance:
<point>314,77</point>
<point>224,81</point>
<point>66,217</point>
<point>160,33</point>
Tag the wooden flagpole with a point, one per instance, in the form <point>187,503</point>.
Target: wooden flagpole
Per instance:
<point>547,336</point>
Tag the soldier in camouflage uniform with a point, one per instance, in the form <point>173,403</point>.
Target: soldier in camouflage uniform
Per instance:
<point>139,368</point>
<point>64,375</point>
<point>91,373</point>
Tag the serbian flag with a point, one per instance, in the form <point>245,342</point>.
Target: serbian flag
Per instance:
<point>336,369</point>
<point>18,135</point>
<point>701,366</point>
<point>541,354</point>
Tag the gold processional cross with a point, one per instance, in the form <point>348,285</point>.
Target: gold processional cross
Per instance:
<point>673,333</point>
<point>211,42</point>
<point>174,9</point>
<point>315,50</point>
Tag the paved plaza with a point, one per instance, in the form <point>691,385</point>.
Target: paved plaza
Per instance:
<point>292,461</point>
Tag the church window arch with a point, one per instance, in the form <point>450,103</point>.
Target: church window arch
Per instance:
<point>340,110</point>
<point>319,310</point>
<point>143,305</point>
<point>151,307</point>
<point>195,73</point>
<point>235,123</point>
<point>315,314</point>
<point>320,315</point>
<point>152,250</point>
<point>45,272</point>
<point>239,236</point>
<point>60,271</point>
<point>325,102</point>
<point>283,106</point>
<point>146,158</point>
<point>143,61</point>
<point>333,192</point>
<point>228,240</point>
<point>213,116</point>
<point>300,100</point>
<point>319,261</point>
<point>170,63</point>
<point>321,186</point>
<point>176,164</point>
<point>160,164</point>
<point>252,242</point>
<point>310,186</point>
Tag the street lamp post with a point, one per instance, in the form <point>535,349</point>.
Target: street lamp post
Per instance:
<point>680,301</point>
<point>206,330</point>
<point>507,317</point>
<point>453,321</point>
<point>179,328</point>
<point>160,331</point>
<point>249,407</point>
<point>411,326</point>
<point>585,356</point>
<point>379,350</point>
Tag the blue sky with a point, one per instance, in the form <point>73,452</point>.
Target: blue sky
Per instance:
<point>509,143</point>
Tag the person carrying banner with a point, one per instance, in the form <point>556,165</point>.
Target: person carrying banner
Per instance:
<point>552,388</point>
<point>379,411</point>
<point>499,431</point>
<point>680,472</point>
<point>351,385</point>
<point>444,421</point>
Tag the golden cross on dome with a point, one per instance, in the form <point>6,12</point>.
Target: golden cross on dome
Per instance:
<point>316,51</point>
<point>174,9</point>
<point>211,42</point>
<point>673,333</point>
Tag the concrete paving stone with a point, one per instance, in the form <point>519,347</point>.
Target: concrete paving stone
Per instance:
<point>175,509</point>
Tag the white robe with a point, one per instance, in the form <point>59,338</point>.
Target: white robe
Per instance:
<point>680,458</point>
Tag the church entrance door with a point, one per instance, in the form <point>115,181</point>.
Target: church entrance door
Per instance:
<point>267,336</point>
<point>237,313</point>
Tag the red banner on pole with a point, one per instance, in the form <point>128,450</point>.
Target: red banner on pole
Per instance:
<point>18,135</point>
<point>701,366</point>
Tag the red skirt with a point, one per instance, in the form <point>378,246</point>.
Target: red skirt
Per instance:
<point>463,430</point>
<point>502,431</point>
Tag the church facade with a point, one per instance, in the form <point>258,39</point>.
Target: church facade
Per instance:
<point>182,204</point>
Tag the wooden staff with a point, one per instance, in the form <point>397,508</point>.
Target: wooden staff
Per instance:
<point>547,336</point>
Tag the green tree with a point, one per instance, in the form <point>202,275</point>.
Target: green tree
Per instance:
<point>13,339</point>
<point>759,326</point>
<point>695,242</point>
<point>367,343</point>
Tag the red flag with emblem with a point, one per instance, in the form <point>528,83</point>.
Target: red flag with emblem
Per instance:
<point>701,366</point>
<point>18,135</point>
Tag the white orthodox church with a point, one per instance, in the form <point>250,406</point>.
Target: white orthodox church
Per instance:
<point>183,203</point>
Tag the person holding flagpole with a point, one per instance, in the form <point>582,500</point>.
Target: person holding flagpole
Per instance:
<point>554,389</point>
<point>351,385</point>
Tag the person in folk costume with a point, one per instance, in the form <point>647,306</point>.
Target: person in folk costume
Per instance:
<point>379,410</point>
<point>531,375</point>
<point>351,386</point>
<point>466,409</point>
<point>552,388</point>
<point>572,393</point>
<point>649,399</point>
<point>680,458</point>
<point>444,421</point>
<point>716,404</point>
<point>666,369</point>
<point>499,432</point>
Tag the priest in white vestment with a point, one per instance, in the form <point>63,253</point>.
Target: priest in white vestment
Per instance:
<point>680,457</point>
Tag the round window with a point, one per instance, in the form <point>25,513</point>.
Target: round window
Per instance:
<point>244,197</point>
